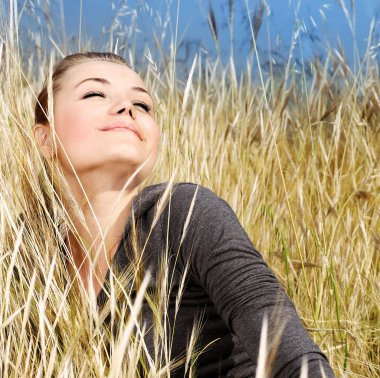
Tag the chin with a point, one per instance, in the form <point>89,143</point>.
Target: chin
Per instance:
<point>129,164</point>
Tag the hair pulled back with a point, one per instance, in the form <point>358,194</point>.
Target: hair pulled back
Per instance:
<point>59,69</point>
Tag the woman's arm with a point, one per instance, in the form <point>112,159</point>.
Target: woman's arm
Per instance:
<point>242,287</point>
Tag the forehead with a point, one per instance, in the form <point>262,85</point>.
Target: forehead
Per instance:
<point>115,73</point>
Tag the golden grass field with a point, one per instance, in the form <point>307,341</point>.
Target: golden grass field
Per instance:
<point>297,158</point>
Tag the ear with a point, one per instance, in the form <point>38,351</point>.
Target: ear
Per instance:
<point>42,135</point>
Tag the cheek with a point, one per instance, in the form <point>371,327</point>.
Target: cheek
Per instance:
<point>155,133</point>
<point>156,140</point>
<point>69,128</point>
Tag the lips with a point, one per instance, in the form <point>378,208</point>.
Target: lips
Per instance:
<point>119,125</point>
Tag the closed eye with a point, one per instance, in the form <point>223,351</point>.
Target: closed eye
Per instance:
<point>93,94</point>
<point>143,106</point>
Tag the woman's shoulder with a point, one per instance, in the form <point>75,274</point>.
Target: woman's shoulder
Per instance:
<point>184,198</point>
<point>178,186</point>
<point>182,193</point>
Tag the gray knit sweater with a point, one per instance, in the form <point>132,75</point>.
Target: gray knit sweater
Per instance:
<point>228,286</point>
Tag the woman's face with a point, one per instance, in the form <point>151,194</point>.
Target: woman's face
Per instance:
<point>103,118</point>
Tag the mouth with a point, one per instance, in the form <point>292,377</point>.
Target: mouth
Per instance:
<point>123,127</point>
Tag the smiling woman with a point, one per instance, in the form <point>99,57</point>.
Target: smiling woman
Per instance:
<point>99,96</point>
<point>104,132</point>
<point>104,137</point>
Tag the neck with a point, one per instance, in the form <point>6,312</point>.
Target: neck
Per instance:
<point>105,209</point>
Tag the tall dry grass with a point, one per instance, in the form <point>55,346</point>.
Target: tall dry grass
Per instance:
<point>296,156</point>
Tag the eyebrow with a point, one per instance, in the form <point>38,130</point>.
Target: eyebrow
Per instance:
<point>98,79</point>
<point>140,89</point>
<point>106,82</point>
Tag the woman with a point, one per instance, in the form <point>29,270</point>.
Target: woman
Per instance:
<point>105,135</point>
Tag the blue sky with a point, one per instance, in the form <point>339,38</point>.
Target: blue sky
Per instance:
<point>323,24</point>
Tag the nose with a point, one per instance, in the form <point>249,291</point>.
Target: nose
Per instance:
<point>130,111</point>
<point>125,107</point>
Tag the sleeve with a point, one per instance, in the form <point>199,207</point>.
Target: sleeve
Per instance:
<point>242,287</point>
